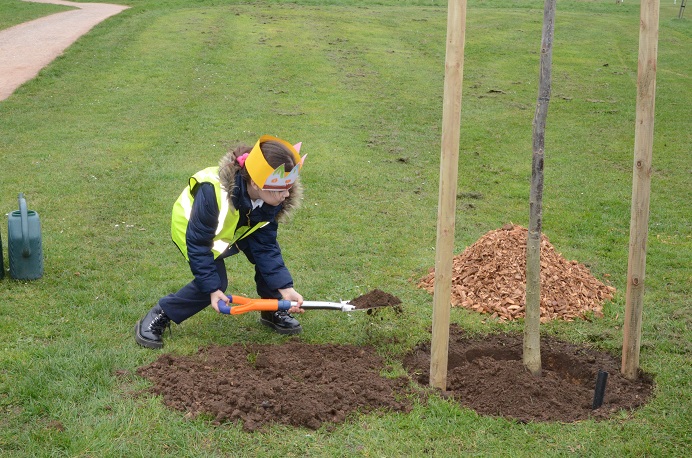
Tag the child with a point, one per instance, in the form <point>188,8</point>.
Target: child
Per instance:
<point>224,210</point>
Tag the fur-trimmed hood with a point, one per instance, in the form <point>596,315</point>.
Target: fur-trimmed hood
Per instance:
<point>228,171</point>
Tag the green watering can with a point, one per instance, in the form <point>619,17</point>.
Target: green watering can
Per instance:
<point>24,243</point>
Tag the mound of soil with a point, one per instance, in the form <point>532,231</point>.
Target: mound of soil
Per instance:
<point>490,277</point>
<point>376,299</point>
<point>486,374</point>
<point>293,384</point>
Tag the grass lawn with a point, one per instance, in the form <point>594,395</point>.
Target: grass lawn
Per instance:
<point>13,12</point>
<point>104,139</point>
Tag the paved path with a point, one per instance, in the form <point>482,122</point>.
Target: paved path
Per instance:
<point>26,48</point>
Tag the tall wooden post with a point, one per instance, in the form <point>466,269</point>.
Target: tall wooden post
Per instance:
<point>532,333</point>
<point>641,186</point>
<point>446,211</point>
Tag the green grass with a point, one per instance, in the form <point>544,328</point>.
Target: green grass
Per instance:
<point>103,140</point>
<point>13,12</point>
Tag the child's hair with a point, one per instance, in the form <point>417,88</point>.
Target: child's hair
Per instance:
<point>275,153</point>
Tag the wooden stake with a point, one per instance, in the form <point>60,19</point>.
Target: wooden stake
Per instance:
<point>446,211</point>
<point>641,186</point>
<point>532,333</point>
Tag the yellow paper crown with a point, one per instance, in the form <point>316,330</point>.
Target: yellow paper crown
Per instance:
<point>267,177</point>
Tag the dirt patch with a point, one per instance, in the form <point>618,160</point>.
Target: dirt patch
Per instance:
<point>486,374</point>
<point>311,386</point>
<point>490,277</point>
<point>293,384</point>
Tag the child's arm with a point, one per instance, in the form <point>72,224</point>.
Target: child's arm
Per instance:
<point>263,250</point>
<point>200,236</point>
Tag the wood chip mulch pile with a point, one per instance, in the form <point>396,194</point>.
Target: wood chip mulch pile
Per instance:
<point>490,277</point>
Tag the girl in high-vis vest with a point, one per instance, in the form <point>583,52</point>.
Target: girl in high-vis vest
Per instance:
<point>225,210</point>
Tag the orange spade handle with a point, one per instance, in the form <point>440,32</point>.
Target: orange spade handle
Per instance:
<point>244,305</point>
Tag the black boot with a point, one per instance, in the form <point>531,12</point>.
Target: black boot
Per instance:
<point>148,330</point>
<point>281,322</point>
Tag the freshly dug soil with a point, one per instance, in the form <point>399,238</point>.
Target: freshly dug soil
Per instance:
<point>293,384</point>
<point>314,385</point>
<point>490,277</point>
<point>377,299</point>
<point>487,374</point>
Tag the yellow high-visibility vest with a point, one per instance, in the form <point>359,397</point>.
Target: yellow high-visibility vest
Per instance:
<point>227,230</point>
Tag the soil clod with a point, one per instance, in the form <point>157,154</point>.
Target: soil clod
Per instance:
<point>376,299</point>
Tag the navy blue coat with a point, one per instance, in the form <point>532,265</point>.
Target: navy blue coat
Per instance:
<point>261,247</point>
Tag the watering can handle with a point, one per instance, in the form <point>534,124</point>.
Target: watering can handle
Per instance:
<point>26,250</point>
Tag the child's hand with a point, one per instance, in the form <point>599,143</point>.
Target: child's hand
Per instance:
<point>292,295</point>
<point>217,296</point>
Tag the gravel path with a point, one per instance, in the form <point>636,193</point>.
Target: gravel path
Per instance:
<point>26,48</point>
